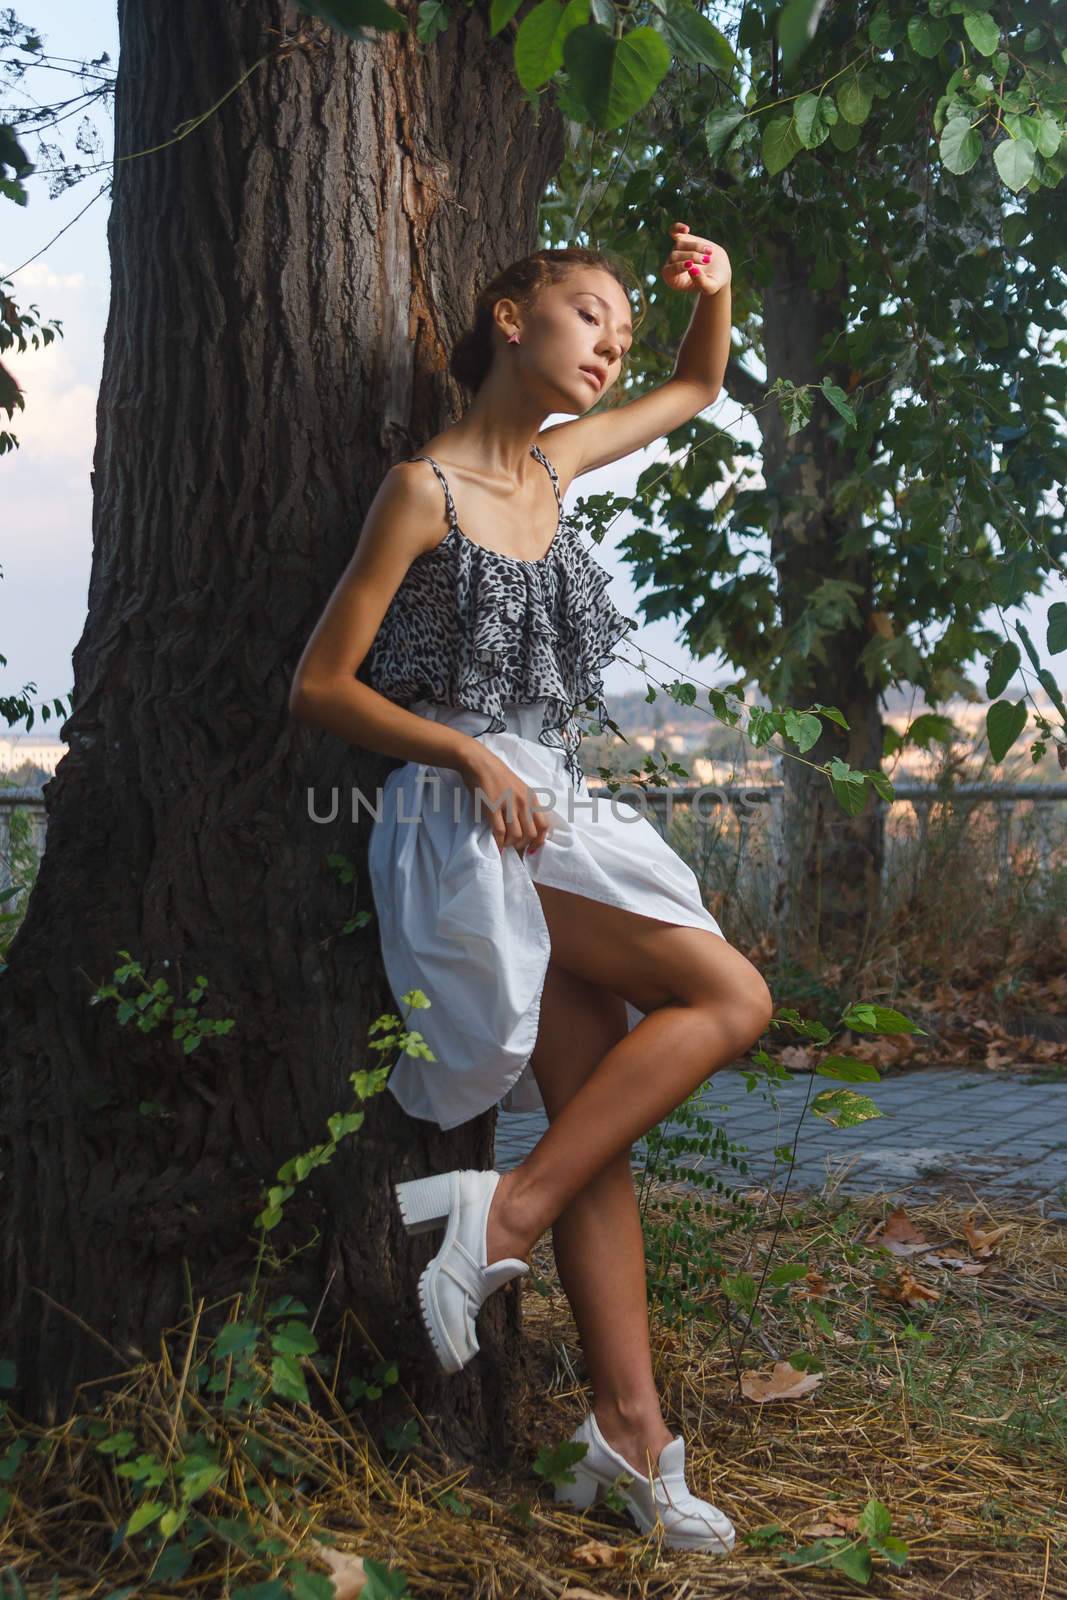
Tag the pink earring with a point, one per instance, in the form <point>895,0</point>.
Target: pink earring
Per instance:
<point>514,339</point>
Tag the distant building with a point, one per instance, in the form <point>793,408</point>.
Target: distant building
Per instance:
<point>22,749</point>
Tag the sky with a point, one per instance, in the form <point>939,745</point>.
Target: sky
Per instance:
<point>46,547</point>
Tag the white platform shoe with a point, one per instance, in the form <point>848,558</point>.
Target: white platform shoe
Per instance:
<point>456,1283</point>
<point>688,1523</point>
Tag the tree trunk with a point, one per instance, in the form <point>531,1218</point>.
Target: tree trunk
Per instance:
<point>286,281</point>
<point>830,869</point>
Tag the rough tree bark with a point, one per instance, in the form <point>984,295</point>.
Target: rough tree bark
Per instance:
<point>829,871</point>
<point>286,282</point>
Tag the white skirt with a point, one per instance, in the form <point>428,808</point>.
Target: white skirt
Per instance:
<point>461,920</point>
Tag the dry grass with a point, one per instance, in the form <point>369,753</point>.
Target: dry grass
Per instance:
<point>962,1435</point>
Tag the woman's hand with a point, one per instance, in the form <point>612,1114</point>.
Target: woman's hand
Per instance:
<point>695,263</point>
<point>508,805</point>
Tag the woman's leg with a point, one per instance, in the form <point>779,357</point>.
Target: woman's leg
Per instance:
<point>597,1239</point>
<point>706,1004</point>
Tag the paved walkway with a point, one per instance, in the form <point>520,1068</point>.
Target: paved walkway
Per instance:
<point>942,1131</point>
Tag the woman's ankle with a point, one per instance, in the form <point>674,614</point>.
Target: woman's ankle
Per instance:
<point>504,1232</point>
<point>632,1428</point>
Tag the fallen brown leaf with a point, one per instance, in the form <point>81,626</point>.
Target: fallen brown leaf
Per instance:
<point>814,1286</point>
<point>784,1383</point>
<point>906,1289</point>
<point>968,1269</point>
<point>597,1553</point>
<point>898,1235</point>
<point>837,1523</point>
<point>982,1242</point>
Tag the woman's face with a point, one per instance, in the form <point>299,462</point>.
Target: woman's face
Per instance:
<point>574,338</point>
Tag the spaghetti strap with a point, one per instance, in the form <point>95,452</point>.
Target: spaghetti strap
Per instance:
<point>535,450</point>
<point>450,503</point>
<point>449,506</point>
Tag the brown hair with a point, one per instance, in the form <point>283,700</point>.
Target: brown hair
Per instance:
<point>522,281</point>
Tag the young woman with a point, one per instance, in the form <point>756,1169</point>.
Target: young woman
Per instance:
<point>564,947</point>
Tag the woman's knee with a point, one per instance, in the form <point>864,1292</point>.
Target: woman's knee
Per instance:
<point>735,993</point>
<point>751,1010</point>
<point>756,1003</point>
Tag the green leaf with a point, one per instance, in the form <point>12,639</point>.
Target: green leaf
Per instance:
<point>718,130</point>
<point>854,1561</point>
<point>817,1554</point>
<point>1014,160</point>
<point>805,1361</point>
<point>342,1123</point>
<point>832,713</point>
<point>847,1070</point>
<point>803,728</point>
<point>1052,689</point>
<point>235,1338</point>
<point>931,725</point>
<point>820,1319</point>
<point>844,136</point>
<point>119,1444</point>
<point>863,1017</point>
<point>843,1109</point>
<point>854,100</point>
<point>541,37</point>
<point>874,1521</point>
<point>849,787</point>
<point>171,1521</point>
<point>839,400</point>
<point>960,145</point>
<point>614,78</point>
<point>811,127</point>
<point>1024,635</point>
<point>697,39</point>
<point>500,14</point>
<point>146,1512</point>
<point>787,1274</point>
<point>352,17</point>
<point>780,144</point>
<point>880,27</point>
<point>294,1339</point>
<point>1004,723</point>
<point>288,1380</point>
<point>895,1550</point>
<point>1004,665</point>
<point>1056,639</point>
<point>983,32</point>
<point>797,22</point>
<point>926,34</point>
<point>769,1536</point>
<point>762,725</point>
<point>198,1478</point>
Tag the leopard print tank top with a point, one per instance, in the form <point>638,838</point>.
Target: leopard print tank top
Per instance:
<point>471,627</point>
